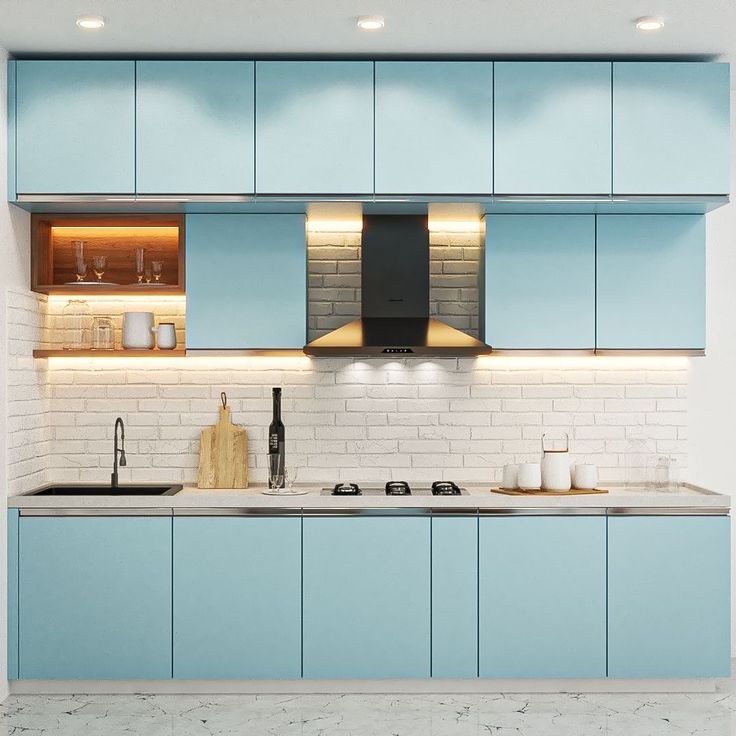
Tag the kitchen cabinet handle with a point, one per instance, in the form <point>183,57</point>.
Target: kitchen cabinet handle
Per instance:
<point>95,512</point>
<point>236,511</point>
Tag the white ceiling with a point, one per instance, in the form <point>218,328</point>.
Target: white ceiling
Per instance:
<point>492,27</point>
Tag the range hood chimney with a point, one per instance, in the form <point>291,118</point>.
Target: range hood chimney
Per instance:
<point>395,298</point>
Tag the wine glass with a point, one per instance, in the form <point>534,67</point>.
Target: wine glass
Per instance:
<point>79,259</point>
<point>157,268</point>
<point>140,263</point>
<point>275,471</point>
<point>99,263</point>
<point>290,475</point>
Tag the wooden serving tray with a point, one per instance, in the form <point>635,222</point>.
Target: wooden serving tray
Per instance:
<point>572,492</point>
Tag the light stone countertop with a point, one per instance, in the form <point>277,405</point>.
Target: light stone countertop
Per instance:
<point>479,497</point>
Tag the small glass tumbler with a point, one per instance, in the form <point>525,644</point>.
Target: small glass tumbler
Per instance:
<point>103,334</point>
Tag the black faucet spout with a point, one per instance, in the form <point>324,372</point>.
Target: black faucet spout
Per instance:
<point>118,450</point>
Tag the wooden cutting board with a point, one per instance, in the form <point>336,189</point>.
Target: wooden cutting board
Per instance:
<point>571,492</point>
<point>223,454</point>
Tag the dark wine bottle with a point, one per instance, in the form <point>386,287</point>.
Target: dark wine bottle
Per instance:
<point>276,446</point>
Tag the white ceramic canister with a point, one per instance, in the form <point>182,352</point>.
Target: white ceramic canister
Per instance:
<point>530,476</point>
<point>555,467</point>
<point>138,330</point>
<point>166,336</point>
<point>585,477</point>
<point>510,477</point>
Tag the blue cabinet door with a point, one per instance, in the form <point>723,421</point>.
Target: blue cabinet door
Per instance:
<point>194,127</point>
<point>434,127</point>
<point>669,596</point>
<point>543,596</point>
<point>95,598</point>
<point>650,278</point>
<point>552,128</point>
<point>237,598</point>
<point>671,128</point>
<point>75,127</point>
<point>246,281</point>
<point>366,597</point>
<point>314,127</point>
<point>540,281</point>
<point>13,526</point>
<point>454,596</point>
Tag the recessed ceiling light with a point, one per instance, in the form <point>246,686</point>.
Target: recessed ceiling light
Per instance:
<point>91,22</point>
<point>650,23</point>
<point>370,22</point>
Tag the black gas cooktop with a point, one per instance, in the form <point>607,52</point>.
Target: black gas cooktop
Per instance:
<point>396,488</point>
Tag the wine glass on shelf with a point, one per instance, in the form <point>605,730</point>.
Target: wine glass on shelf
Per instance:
<point>81,263</point>
<point>140,263</point>
<point>99,263</point>
<point>157,268</point>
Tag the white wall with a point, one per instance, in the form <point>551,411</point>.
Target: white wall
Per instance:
<point>712,381</point>
<point>14,268</point>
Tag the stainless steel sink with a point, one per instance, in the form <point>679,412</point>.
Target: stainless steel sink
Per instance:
<point>93,490</point>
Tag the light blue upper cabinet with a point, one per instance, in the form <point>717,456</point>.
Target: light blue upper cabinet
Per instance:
<point>366,597</point>
<point>237,598</point>
<point>95,598</point>
<point>434,127</point>
<point>542,596</point>
<point>314,127</point>
<point>669,597</point>
<point>75,127</point>
<point>454,596</point>
<point>540,281</point>
<point>671,128</point>
<point>651,282</point>
<point>552,129</point>
<point>246,281</point>
<point>194,127</point>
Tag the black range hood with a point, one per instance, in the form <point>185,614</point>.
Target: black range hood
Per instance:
<point>395,298</point>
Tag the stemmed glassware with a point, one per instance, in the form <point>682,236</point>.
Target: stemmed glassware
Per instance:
<point>157,268</point>
<point>99,263</point>
<point>140,263</point>
<point>81,263</point>
<point>275,471</point>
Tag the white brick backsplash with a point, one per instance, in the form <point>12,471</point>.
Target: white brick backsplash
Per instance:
<point>366,419</point>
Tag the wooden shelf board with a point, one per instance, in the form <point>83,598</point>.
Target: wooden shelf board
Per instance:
<point>123,289</point>
<point>109,353</point>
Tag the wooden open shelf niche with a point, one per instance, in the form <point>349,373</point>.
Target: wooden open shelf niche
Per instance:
<point>114,236</point>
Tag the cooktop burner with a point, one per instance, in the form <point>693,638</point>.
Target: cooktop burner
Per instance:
<point>445,488</point>
<point>396,488</point>
<point>347,489</point>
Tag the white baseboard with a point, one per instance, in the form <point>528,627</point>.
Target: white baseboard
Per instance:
<point>258,687</point>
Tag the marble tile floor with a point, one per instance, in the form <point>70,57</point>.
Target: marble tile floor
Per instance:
<point>702,714</point>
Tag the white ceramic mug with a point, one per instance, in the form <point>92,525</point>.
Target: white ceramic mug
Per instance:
<point>510,477</point>
<point>138,330</point>
<point>585,477</point>
<point>166,336</point>
<point>530,476</point>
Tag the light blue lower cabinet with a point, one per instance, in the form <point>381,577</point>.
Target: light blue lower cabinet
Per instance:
<point>13,521</point>
<point>669,596</point>
<point>237,597</point>
<point>366,597</point>
<point>95,598</point>
<point>454,596</point>
<point>542,596</point>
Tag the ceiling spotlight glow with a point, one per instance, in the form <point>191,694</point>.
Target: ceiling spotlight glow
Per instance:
<point>370,22</point>
<point>649,23</point>
<point>91,22</point>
